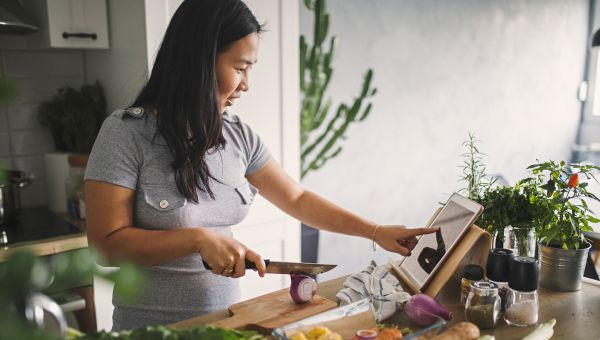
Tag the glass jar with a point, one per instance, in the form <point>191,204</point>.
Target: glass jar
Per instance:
<point>483,304</point>
<point>521,308</point>
<point>522,302</point>
<point>522,240</point>
<point>471,273</point>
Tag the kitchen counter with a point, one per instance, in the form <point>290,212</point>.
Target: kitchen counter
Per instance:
<point>43,232</point>
<point>576,312</point>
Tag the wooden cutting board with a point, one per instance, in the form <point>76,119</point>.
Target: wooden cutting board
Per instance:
<point>267,312</point>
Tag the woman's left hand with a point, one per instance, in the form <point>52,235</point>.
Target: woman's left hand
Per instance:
<point>399,239</point>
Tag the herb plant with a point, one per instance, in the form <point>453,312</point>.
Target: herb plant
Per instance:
<point>74,117</point>
<point>474,171</point>
<point>566,198</point>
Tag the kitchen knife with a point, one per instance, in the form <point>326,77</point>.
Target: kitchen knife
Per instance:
<point>275,267</point>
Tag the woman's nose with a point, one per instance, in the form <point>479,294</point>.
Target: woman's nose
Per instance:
<point>244,85</point>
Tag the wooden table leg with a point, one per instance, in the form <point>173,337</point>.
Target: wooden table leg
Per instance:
<point>86,318</point>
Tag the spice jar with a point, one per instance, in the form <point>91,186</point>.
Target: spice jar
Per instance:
<point>471,273</point>
<point>497,270</point>
<point>483,304</point>
<point>522,304</point>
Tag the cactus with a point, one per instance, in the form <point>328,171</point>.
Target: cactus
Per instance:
<point>320,130</point>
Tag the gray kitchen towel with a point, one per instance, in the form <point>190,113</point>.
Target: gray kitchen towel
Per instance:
<point>380,285</point>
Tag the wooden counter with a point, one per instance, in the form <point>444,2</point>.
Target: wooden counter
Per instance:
<point>577,313</point>
<point>48,246</point>
<point>44,233</point>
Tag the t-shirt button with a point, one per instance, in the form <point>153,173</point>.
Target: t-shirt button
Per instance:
<point>164,204</point>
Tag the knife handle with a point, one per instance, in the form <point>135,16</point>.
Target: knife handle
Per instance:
<point>249,264</point>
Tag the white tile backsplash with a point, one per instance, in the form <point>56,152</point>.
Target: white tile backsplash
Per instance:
<point>5,163</point>
<point>37,76</point>
<point>3,118</point>
<point>37,90</point>
<point>22,116</point>
<point>43,64</point>
<point>31,142</point>
<point>35,194</point>
<point>31,164</point>
<point>4,144</point>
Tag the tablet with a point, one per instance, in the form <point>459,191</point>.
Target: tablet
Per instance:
<point>428,256</point>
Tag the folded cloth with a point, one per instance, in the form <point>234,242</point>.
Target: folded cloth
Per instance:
<point>380,285</point>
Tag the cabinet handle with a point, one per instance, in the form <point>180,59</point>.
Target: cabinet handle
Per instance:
<point>67,35</point>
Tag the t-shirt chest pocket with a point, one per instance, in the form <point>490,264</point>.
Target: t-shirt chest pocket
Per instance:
<point>247,192</point>
<point>163,198</point>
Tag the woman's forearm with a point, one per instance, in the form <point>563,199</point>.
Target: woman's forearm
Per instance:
<point>149,247</point>
<point>320,213</point>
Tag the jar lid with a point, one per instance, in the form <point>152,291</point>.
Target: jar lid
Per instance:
<point>484,288</point>
<point>524,274</point>
<point>498,264</point>
<point>473,272</point>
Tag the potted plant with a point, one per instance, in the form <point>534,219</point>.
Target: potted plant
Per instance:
<point>563,247</point>
<point>74,117</point>
<point>519,208</point>
<point>323,126</point>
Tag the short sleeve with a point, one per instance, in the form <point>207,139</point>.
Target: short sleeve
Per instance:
<point>257,152</point>
<point>115,157</point>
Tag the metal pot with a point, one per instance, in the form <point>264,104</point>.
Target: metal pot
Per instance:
<point>11,182</point>
<point>562,269</point>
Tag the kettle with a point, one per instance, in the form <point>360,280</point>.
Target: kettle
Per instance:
<point>11,182</point>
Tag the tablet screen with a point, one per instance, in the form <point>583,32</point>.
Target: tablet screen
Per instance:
<point>432,248</point>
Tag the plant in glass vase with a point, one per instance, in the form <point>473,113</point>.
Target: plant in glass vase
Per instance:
<point>562,237</point>
<point>518,207</point>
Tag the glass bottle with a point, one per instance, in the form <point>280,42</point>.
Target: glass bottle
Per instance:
<point>471,273</point>
<point>497,270</point>
<point>483,304</point>
<point>522,306</point>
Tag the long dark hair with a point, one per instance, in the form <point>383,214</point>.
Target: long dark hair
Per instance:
<point>183,85</point>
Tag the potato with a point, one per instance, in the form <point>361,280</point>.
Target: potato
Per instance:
<point>460,331</point>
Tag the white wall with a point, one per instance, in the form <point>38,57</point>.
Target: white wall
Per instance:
<point>507,71</point>
<point>122,69</point>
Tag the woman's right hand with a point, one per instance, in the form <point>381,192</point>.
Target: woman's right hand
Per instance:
<point>227,256</point>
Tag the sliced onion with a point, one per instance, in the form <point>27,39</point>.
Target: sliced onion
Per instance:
<point>303,288</point>
<point>366,334</point>
<point>424,310</point>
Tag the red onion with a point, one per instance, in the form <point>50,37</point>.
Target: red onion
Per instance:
<point>366,334</point>
<point>303,288</point>
<point>424,310</point>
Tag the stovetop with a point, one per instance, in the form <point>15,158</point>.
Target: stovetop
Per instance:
<point>35,224</point>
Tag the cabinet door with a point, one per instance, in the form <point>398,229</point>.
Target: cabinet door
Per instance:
<point>78,23</point>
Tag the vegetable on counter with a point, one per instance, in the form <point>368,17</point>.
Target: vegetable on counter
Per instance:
<point>382,332</point>
<point>424,310</point>
<point>460,331</point>
<point>542,332</point>
<point>316,333</point>
<point>303,288</point>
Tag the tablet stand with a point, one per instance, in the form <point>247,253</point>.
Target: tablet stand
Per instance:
<point>472,248</point>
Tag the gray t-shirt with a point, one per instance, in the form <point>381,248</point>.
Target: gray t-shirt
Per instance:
<point>130,153</point>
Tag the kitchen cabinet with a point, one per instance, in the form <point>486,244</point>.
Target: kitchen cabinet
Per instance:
<point>77,24</point>
<point>74,24</point>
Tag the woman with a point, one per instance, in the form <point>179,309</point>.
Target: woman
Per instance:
<point>169,176</point>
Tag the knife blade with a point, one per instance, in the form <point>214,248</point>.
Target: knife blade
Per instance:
<point>276,267</point>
